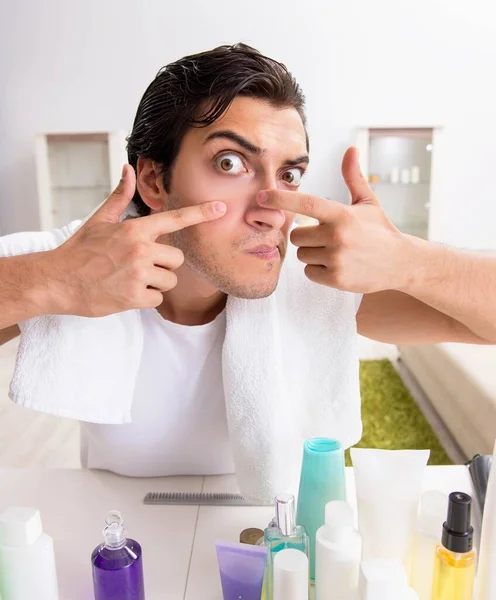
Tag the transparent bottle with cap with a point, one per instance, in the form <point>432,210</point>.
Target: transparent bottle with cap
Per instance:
<point>27,557</point>
<point>281,534</point>
<point>338,553</point>
<point>454,570</point>
<point>117,563</point>
<point>431,516</point>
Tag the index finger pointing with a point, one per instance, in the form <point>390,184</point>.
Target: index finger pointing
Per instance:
<point>180,218</point>
<point>303,204</point>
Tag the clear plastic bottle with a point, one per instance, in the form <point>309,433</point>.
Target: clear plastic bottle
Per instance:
<point>117,564</point>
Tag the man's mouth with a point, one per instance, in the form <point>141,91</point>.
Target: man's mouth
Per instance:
<point>265,252</point>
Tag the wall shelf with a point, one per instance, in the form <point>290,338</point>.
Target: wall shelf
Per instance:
<point>385,153</point>
<point>389,184</point>
<point>76,172</point>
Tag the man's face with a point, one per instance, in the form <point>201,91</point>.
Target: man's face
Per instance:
<point>253,147</point>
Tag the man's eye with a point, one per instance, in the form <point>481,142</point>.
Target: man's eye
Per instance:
<point>292,177</point>
<point>230,163</point>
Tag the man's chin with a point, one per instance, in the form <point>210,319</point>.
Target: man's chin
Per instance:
<point>251,295</point>
<point>251,291</point>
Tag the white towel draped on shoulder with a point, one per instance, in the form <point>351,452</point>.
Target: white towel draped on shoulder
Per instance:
<point>290,369</point>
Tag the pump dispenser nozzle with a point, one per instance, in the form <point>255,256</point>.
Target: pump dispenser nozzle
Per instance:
<point>457,532</point>
<point>286,513</point>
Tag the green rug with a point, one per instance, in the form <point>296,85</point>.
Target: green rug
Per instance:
<point>391,418</point>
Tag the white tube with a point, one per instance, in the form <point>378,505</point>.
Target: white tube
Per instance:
<point>486,575</point>
<point>388,487</point>
<point>291,575</point>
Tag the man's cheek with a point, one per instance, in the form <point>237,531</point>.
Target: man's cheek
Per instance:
<point>221,225</point>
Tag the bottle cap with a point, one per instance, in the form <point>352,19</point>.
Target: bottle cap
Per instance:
<point>250,536</point>
<point>291,575</point>
<point>433,507</point>
<point>339,519</point>
<point>114,533</point>
<point>457,531</point>
<point>382,579</point>
<point>286,513</point>
<point>20,526</point>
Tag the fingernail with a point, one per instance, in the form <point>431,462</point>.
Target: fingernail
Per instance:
<point>219,207</point>
<point>263,197</point>
<point>124,171</point>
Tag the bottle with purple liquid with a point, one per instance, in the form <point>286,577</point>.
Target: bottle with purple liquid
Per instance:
<point>117,564</point>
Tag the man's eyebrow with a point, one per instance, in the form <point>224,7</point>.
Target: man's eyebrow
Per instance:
<point>238,139</point>
<point>297,161</point>
<point>251,148</point>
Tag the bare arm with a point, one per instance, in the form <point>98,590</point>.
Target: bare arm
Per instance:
<point>416,292</point>
<point>106,267</point>
<point>447,295</point>
<point>397,318</point>
<point>25,291</point>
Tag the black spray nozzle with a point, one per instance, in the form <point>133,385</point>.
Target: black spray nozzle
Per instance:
<point>457,531</point>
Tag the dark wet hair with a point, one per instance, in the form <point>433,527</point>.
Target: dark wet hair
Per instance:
<point>195,91</point>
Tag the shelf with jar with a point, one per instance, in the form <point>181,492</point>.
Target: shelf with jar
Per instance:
<point>397,176</point>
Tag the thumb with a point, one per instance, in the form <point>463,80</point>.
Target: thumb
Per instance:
<point>355,180</point>
<point>113,207</point>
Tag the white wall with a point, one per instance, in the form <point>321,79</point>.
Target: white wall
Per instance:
<point>84,64</point>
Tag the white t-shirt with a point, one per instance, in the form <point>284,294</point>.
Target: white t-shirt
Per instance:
<point>179,424</point>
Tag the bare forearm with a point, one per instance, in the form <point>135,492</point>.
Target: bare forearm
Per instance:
<point>25,288</point>
<point>458,283</point>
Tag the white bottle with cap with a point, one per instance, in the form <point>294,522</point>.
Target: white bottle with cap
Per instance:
<point>432,514</point>
<point>338,550</point>
<point>27,558</point>
<point>415,174</point>
<point>291,575</point>
<point>384,579</point>
<point>405,175</point>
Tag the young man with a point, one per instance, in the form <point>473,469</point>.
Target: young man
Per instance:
<point>219,148</point>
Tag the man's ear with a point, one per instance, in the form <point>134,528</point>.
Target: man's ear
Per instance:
<point>150,185</point>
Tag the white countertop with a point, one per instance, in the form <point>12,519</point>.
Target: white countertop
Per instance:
<point>178,541</point>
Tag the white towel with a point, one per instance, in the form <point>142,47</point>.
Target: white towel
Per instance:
<point>290,369</point>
